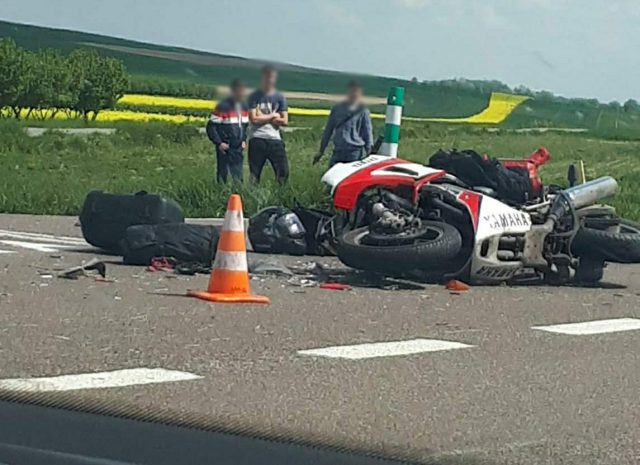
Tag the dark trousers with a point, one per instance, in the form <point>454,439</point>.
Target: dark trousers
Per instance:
<point>261,150</point>
<point>229,163</point>
<point>346,156</point>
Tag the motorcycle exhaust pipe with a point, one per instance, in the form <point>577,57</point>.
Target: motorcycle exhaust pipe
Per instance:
<point>592,192</point>
<point>583,195</point>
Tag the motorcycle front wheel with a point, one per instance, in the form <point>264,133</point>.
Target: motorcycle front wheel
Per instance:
<point>438,244</point>
<point>618,246</point>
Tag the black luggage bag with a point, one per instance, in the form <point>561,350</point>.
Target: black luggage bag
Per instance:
<point>187,243</point>
<point>477,171</point>
<point>105,217</point>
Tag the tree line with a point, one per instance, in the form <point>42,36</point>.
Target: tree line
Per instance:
<point>486,87</point>
<point>152,85</point>
<point>44,83</point>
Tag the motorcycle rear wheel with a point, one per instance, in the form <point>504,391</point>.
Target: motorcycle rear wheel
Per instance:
<point>611,246</point>
<point>431,251</point>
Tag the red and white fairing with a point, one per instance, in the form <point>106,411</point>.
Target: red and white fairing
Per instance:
<point>491,218</point>
<point>349,180</point>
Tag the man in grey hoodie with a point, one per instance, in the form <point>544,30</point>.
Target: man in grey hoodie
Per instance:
<point>350,125</point>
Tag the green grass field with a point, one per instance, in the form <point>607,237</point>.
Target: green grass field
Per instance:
<point>52,174</point>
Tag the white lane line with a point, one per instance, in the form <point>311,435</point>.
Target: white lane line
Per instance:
<point>6,251</point>
<point>105,379</point>
<point>38,246</point>
<point>384,349</point>
<point>42,237</point>
<point>593,327</point>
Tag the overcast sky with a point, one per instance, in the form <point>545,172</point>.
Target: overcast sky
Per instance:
<point>583,48</point>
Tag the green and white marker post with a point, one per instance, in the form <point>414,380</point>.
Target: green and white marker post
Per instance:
<point>392,120</point>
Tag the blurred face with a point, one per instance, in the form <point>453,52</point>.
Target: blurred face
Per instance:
<point>269,80</point>
<point>354,94</point>
<point>239,93</point>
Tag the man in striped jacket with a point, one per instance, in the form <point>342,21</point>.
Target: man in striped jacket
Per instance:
<point>227,129</point>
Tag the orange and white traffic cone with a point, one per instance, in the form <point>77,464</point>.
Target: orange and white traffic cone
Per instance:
<point>229,281</point>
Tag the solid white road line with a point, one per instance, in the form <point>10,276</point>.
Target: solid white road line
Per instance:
<point>47,248</point>
<point>593,327</point>
<point>43,237</point>
<point>384,349</point>
<point>6,251</point>
<point>105,379</point>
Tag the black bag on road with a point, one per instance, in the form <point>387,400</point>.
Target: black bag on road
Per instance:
<point>105,217</point>
<point>187,243</point>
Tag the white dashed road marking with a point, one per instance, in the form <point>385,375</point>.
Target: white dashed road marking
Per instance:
<point>384,349</point>
<point>105,379</point>
<point>6,251</point>
<point>593,327</point>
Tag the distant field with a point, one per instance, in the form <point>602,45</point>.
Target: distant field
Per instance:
<point>445,99</point>
<point>499,107</point>
<point>144,108</point>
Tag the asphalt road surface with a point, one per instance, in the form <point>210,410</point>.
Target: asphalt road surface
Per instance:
<point>484,376</point>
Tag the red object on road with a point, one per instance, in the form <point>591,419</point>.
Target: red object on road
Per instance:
<point>457,286</point>
<point>335,286</point>
<point>161,264</point>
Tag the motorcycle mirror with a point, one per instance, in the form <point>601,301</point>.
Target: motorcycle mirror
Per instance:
<point>572,175</point>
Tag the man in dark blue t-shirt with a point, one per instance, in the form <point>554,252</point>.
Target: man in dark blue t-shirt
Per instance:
<point>268,111</point>
<point>227,129</point>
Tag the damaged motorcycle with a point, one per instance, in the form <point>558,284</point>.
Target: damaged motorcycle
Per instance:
<point>404,216</point>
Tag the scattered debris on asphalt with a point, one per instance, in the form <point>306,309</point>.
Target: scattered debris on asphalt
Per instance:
<point>301,282</point>
<point>269,267</point>
<point>171,265</point>
<point>78,271</point>
<point>162,264</point>
<point>191,269</point>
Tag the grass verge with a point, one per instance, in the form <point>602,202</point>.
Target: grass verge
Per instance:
<point>52,174</point>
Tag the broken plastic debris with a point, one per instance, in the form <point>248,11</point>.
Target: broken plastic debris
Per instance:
<point>269,266</point>
<point>301,282</point>
<point>335,286</point>
<point>457,286</point>
<point>77,271</point>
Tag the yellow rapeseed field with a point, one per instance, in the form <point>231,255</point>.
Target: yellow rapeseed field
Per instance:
<point>164,101</point>
<point>499,108</point>
<point>199,104</point>
<point>116,115</point>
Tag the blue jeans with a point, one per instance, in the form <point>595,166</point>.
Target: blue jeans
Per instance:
<point>346,156</point>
